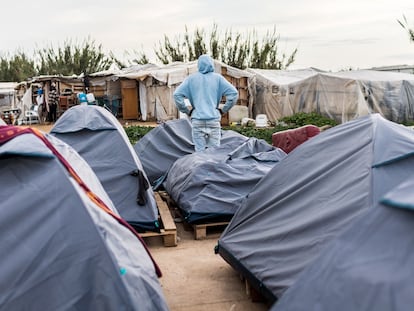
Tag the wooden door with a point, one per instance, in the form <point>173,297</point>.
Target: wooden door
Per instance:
<point>130,102</point>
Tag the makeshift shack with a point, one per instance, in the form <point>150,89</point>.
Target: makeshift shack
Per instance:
<point>27,94</point>
<point>342,96</point>
<point>7,94</point>
<point>152,87</point>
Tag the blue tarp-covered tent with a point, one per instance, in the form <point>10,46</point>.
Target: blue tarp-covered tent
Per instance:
<point>316,192</point>
<point>100,139</point>
<point>162,146</point>
<point>63,245</point>
<point>171,140</point>
<point>210,185</point>
<point>368,267</point>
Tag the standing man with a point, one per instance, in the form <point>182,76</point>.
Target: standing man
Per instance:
<point>53,101</point>
<point>204,89</point>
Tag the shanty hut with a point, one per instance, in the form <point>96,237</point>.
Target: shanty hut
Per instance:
<point>342,96</point>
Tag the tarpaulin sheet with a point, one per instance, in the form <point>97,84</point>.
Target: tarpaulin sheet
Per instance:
<point>314,194</point>
<point>100,139</point>
<point>210,185</point>
<point>368,267</point>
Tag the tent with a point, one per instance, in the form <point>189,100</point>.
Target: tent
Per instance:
<point>342,96</point>
<point>368,267</point>
<point>163,145</point>
<point>63,245</point>
<point>169,141</point>
<point>311,197</point>
<point>210,185</point>
<point>100,139</point>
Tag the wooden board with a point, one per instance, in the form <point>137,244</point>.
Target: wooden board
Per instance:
<point>200,230</point>
<point>168,228</point>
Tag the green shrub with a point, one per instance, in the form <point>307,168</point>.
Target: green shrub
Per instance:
<point>136,132</point>
<point>301,119</point>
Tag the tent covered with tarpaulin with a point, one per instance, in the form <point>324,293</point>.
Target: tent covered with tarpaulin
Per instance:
<point>368,267</point>
<point>342,96</point>
<point>166,143</point>
<point>210,185</point>
<point>101,140</point>
<point>63,244</point>
<point>307,200</point>
<point>162,146</point>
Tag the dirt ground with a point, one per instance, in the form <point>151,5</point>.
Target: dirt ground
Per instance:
<point>194,277</point>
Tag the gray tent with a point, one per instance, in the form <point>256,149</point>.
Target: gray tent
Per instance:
<point>311,197</point>
<point>166,143</point>
<point>162,146</point>
<point>61,249</point>
<point>210,185</point>
<point>368,267</point>
<point>100,139</point>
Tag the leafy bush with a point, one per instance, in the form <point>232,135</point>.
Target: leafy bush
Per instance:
<point>135,133</point>
<point>301,119</point>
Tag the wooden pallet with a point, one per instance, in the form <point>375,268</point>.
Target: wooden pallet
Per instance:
<point>168,227</point>
<point>200,230</point>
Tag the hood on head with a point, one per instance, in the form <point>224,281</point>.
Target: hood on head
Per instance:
<point>205,64</point>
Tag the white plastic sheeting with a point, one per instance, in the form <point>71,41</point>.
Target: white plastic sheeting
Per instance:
<point>342,96</point>
<point>159,83</point>
<point>7,92</point>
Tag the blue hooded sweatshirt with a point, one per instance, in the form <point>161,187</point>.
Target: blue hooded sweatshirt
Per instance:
<point>204,89</point>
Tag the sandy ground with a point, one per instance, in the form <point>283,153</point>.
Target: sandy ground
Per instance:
<point>194,277</point>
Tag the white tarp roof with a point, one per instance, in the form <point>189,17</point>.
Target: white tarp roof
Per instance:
<point>176,72</point>
<point>342,95</point>
<point>7,87</point>
<point>7,92</point>
<point>157,85</point>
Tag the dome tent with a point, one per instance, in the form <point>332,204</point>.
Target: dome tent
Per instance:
<point>372,260</point>
<point>163,145</point>
<point>63,243</point>
<point>210,185</point>
<point>100,139</point>
<point>315,193</point>
<point>166,143</point>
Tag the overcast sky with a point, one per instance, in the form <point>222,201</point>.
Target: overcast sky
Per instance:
<point>329,34</point>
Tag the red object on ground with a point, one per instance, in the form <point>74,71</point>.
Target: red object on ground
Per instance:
<point>290,139</point>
